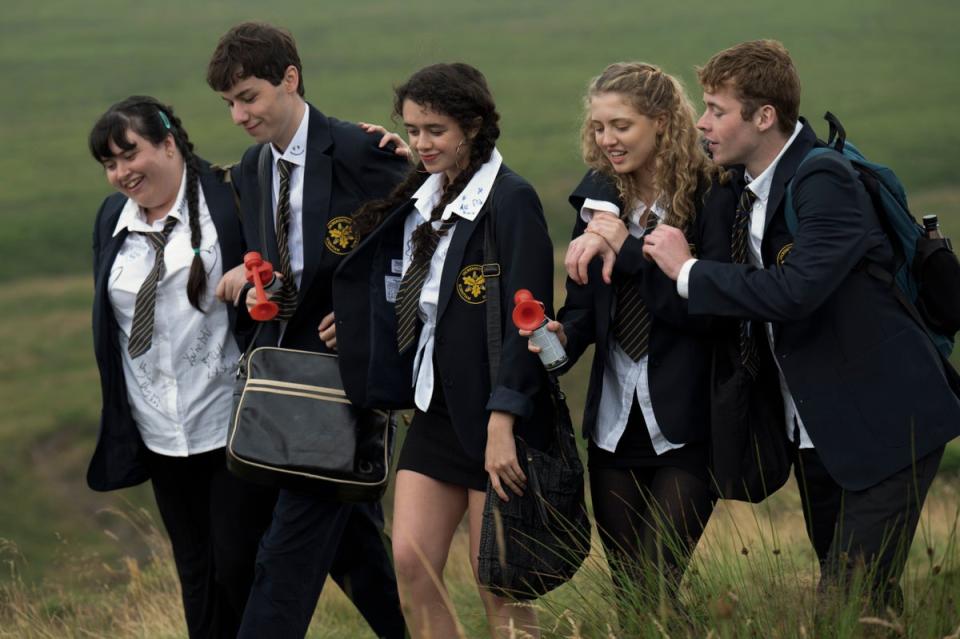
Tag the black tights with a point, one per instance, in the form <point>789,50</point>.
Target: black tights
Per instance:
<point>650,520</point>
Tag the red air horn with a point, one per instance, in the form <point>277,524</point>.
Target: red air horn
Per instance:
<point>260,272</point>
<point>528,315</point>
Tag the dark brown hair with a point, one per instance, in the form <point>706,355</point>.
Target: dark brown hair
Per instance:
<point>142,114</point>
<point>456,90</point>
<point>253,49</point>
<point>759,72</point>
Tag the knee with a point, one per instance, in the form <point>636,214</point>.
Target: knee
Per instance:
<point>411,566</point>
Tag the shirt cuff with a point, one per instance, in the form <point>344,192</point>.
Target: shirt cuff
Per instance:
<point>683,279</point>
<point>592,206</point>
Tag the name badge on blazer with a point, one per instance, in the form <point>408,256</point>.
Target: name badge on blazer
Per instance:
<point>391,284</point>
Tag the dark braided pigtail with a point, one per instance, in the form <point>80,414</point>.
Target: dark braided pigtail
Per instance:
<point>197,281</point>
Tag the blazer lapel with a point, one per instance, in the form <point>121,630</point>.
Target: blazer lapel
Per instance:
<point>317,180</point>
<point>110,255</point>
<point>463,230</point>
<point>268,248</point>
<point>787,168</point>
<point>102,310</point>
<point>219,197</point>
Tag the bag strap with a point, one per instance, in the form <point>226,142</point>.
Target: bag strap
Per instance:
<point>491,275</point>
<point>264,172</point>
<point>491,279</point>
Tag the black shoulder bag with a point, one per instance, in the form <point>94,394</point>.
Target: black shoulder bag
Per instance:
<point>534,543</point>
<point>294,427</point>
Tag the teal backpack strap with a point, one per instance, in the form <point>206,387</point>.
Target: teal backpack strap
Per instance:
<point>789,211</point>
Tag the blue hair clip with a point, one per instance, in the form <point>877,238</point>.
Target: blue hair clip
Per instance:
<point>165,120</point>
<point>196,252</point>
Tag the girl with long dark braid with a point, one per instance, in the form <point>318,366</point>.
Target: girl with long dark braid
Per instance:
<point>419,273</point>
<point>166,354</point>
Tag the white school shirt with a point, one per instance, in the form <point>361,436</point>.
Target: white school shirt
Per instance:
<point>181,390</point>
<point>624,378</point>
<point>296,154</point>
<point>760,186</point>
<point>467,206</point>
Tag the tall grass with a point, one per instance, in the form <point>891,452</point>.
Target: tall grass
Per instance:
<point>753,574</point>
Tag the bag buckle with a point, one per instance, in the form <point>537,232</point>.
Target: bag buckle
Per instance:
<point>490,270</point>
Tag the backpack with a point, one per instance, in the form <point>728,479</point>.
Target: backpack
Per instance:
<point>919,280</point>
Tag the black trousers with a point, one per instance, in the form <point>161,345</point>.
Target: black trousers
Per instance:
<point>308,539</point>
<point>869,529</point>
<point>214,521</point>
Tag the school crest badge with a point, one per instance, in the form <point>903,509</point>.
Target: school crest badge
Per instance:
<point>783,252</point>
<point>340,238</point>
<point>472,285</point>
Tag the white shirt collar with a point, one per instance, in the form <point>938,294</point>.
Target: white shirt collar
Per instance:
<point>468,204</point>
<point>133,220</point>
<point>761,184</point>
<point>296,151</point>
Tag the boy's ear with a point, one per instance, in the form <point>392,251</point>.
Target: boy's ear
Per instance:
<point>765,117</point>
<point>291,79</point>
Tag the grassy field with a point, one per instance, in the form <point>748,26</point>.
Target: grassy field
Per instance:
<point>886,69</point>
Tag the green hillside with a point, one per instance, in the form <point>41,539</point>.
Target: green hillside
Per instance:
<point>887,69</point>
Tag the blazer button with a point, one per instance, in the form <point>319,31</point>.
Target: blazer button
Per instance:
<point>448,382</point>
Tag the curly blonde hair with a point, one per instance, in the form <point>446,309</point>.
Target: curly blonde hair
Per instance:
<point>681,164</point>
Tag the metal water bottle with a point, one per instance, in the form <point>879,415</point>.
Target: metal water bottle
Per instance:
<point>931,227</point>
<point>528,315</point>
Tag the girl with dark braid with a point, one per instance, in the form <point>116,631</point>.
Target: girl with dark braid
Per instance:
<point>419,273</point>
<point>167,354</point>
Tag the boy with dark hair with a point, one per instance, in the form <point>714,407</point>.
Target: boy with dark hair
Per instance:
<point>322,170</point>
<point>869,401</point>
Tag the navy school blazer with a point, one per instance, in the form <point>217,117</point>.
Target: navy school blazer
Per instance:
<point>680,345</point>
<point>375,375</point>
<point>344,168</point>
<point>872,391</point>
<point>118,459</point>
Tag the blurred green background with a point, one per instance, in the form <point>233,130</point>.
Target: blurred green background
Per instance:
<point>887,69</point>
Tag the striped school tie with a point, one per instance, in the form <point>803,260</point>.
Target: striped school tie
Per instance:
<point>738,253</point>
<point>411,285</point>
<point>141,332</point>
<point>286,297</point>
<point>631,321</point>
